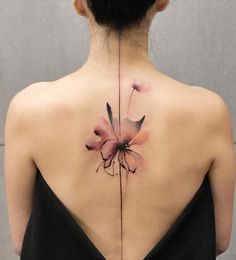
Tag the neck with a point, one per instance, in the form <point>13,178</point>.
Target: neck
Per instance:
<point>104,50</point>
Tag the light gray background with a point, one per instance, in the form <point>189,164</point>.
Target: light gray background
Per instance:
<point>193,41</point>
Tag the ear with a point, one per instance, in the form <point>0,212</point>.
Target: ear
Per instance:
<point>162,5</point>
<point>79,6</point>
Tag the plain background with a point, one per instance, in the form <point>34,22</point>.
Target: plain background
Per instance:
<point>192,41</point>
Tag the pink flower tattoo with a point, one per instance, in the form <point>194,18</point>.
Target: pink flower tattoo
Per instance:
<point>116,139</point>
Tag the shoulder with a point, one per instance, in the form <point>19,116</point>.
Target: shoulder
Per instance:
<point>214,110</point>
<point>198,106</point>
<point>25,105</point>
<point>38,104</point>
<point>212,104</point>
<point>209,96</point>
<point>30,92</point>
<point>196,100</point>
<point>29,96</point>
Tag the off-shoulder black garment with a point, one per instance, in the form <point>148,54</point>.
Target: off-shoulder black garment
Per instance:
<point>52,233</point>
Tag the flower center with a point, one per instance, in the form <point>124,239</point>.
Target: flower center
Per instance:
<point>122,146</point>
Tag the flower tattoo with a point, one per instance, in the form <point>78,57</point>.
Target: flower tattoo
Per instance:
<point>116,139</point>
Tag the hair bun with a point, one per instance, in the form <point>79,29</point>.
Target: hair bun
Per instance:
<point>119,14</point>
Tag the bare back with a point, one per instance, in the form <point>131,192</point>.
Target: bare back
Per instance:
<point>176,156</point>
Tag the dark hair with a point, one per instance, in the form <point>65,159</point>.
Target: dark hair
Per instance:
<point>119,14</point>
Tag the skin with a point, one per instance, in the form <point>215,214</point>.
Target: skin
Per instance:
<point>47,124</point>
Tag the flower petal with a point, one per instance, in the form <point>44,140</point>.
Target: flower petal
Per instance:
<point>141,87</point>
<point>102,129</point>
<point>113,120</point>
<point>93,145</point>
<point>107,165</point>
<point>133,159</point>
<point>122,162</point>
<point>140,138</point>
<point>129,128</point>
<point>109,149</point>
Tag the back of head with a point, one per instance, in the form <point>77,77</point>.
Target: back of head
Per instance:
<point>119,14</point>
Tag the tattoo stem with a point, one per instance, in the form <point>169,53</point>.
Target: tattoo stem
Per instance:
<point>129,101</point>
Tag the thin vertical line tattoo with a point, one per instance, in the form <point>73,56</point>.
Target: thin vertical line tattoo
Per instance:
<point>121,193</point>
<point>119,87</point>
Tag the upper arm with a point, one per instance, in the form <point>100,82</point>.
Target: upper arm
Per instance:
<point>19,167</point>
<point>223,170</point>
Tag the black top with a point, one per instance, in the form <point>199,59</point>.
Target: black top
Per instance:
<point>52,233</point>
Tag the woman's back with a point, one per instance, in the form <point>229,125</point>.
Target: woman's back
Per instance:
<point>176,155</point>
<point>126,157</point>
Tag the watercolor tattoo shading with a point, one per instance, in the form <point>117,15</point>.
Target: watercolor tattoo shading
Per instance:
<point>117,139</point>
